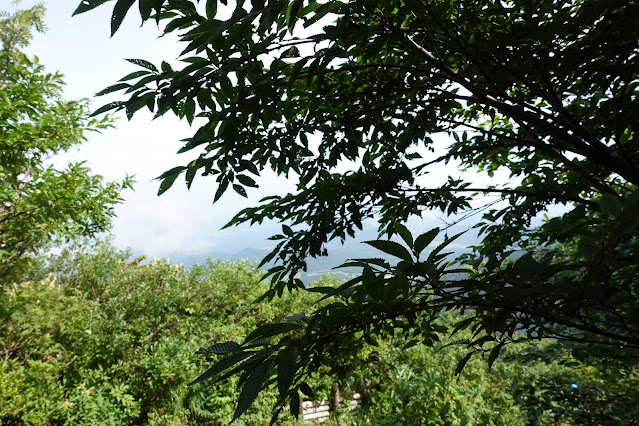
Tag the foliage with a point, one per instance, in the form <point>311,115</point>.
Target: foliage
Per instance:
<point>37,201</point>
<point>102,340</point>
<point>96,338</point>
<point>350,98</point>
<point>526,385</point>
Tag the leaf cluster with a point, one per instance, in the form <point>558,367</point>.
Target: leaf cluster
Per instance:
<point>39,202</point>
<point>352,98</point>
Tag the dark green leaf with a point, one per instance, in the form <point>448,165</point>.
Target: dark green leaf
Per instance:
<point>86,5</point>
<point>252,387</point>
<point>168,178</point>
<point>610,204</point>
<point>113,88</point>
<point>240,190</point>
<point>211,9</point>
<point>221,348</point>
<point>221,365</point>
<point>295,404</point>
<point>135,74</point>
<point>494,353</point>
<point>424,240</point>
<point>108,107</point>
<point>269,330</point>
<point>119,12</point>
<point>246,180</point>
<point>528,267</point>
<point>588,247</point>
<point>405,234</point>
<point>221,189</point>
<point>146,7</point>
<point>462,363</point>
<point>348,284</point>
<point>286,369</point>
<point>306,390</point>
<point>392,248</point>
<point>144,64</point>
<point>291,13</point>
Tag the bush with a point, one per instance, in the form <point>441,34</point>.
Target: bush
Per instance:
<point>93,338</point>
<point>106,341</point>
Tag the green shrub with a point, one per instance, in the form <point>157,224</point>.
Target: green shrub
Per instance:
<point>111,342</point>
<point>94,339</point>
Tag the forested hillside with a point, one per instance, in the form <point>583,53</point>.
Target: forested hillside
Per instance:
<point>92,337</point>
<point>538,323</point>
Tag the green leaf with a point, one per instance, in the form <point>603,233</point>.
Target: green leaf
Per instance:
<point>527,266</point>
<point>312,7</point>
<point>221,348</point>
<point>189,110</point>
<point>321,290</point>
<point>291,13</point>
<point>190,173</point>
<point>221,189</point>
<point>610,204</point>
<point>588,247</point>
<point>250,166</point>
<point>119,12</point>
<point>494,353</point>
<point>632,200</point>
<point>135,74</point>
<point>240,190</point>
<point>462,324</point>
<point>168,178</point>
<point>246,366</point>
<point>424,240</point>
<point>144,64</point>
<point>434,255</point>
<point>221,366</point>
<point>392,248</point>
<point>252,387</point>
<point>146,7</point>
<point>322,11</point>
<point>246,181</point>
<point>306,390</point>
<point>113,88</point>
<point>108,107</point>
<point>269,330</point>
<point>86,5</point>
<point>211,9</point>
<point>405,234</point>
<point>295,404</point>
<point>286,369</point>
<point>462,363</point>
<point>347,285</point>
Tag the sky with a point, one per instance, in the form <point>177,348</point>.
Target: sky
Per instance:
<point>180,222</point>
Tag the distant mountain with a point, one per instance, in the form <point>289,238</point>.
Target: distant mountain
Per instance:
<point>316,266</point>
<point>337,253</point>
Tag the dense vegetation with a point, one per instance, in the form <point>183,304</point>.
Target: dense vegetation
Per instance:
<point>39,202</point>
<point>105,341</point>
<point>93,338</point>
<point>364,103</point>
<point>90,337</point>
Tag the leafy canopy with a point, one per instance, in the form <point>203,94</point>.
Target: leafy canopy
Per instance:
<point>350,99</point>
<point>37,201</point>
<point>96,339</point>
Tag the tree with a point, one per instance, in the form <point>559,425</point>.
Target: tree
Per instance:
<point>37,201</point>
<point>543,90</point>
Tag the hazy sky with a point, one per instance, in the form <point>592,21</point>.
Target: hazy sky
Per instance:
<point>179,220</point>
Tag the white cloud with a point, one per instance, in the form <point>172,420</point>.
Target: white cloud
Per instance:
<point>179,221</point>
